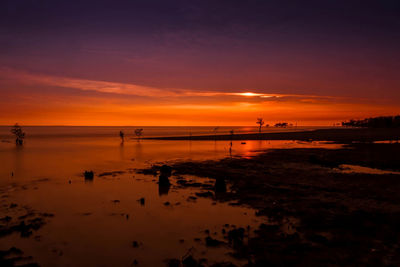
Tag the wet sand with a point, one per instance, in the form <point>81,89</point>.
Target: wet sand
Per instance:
<point>340,135</point>
<point>317,215</point>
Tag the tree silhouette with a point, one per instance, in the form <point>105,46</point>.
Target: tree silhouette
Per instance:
<point>215,130</point>
<point>230,147</point>
<point>260,122</point>
<point>19,134</point>
<point>138,133</point>
<point>281,124</point>
<point>376,122</point>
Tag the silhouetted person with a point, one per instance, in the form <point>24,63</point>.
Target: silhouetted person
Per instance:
<point>122,135</point>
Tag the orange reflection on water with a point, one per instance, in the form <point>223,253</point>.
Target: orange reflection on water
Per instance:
<point>96,222</point>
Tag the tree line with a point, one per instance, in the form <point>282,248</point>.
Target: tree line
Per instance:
<point>375,122</point>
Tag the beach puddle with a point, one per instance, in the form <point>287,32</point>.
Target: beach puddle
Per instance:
<point>387,142</point>
<point>347,168</point>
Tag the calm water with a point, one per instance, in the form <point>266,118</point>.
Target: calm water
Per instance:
<point>149,131</point>
<point>91,228</point>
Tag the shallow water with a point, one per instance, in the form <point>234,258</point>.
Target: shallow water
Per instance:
<point>95,223</point>
<point>348,168</point>
<point>148,131</point>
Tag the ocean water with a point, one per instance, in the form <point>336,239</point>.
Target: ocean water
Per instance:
<point>95,223</point>
<point>148,131</point>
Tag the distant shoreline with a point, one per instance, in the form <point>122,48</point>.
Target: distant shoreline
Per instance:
<point>335,135</point>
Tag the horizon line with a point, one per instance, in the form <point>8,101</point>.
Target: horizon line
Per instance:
<point>159,125</point>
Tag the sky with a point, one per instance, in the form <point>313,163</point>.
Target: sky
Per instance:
<point>208,62</point>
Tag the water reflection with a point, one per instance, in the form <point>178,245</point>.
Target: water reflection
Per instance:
<point>121,150</point>
<point>348,168</point>
<point>89,223</point>
<point>19,161</point>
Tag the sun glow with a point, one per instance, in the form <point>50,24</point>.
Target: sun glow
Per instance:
<point>249,94</point>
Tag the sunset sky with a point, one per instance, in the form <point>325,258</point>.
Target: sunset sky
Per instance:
<point>208,62</point>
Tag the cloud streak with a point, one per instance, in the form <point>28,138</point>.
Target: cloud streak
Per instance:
<point>32,79</point>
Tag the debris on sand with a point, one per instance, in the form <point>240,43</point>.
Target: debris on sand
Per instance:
<point>24,228</point>
<point>46,214</point>
<point>141,201</point>
<point>166,170</point>
<point>186,183</point>
<point>150,171</point>
<point>5,219</point>
<point>189,261</point>
<point>163,181</point>
<point>220,185</point>
<point>88,175</point>
<point>191,199</point>
<point>14,257</point>
<point>236,236</point>
<point>205,194</point>
<point>112,173</point>
<point>211,242</point>
<point>165,173</point>
<point>223,264</point>
<point>163,189</point>
<point>173,263</point>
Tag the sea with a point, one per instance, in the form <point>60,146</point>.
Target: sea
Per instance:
<point>121,218</point>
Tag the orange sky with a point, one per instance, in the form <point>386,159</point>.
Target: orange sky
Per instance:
<point>35,99</point>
